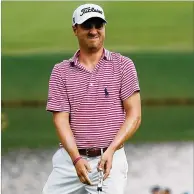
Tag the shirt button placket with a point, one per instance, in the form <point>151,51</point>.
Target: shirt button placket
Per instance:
<point>92,76</point>
<point>91,87</point>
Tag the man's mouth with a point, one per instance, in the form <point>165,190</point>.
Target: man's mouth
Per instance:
<point>93,37</point>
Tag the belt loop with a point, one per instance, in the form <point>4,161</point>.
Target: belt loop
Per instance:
<point>101,151</point>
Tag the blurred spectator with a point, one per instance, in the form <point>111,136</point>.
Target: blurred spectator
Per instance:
<point>4,121</point>
<point>167,191</point>
<point>155,190</point>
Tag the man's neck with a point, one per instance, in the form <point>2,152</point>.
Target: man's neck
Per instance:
<point>90,59</point>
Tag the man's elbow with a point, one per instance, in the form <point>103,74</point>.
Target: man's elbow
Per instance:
<point>138,121</point>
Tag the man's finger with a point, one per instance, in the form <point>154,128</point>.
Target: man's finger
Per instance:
<point>101,165</point>
<point>86,178</point>
<point>106,174</point>
<point>88,168</point>
<point>107,171</point>
<point>81,178</point>
<point>88,181</point>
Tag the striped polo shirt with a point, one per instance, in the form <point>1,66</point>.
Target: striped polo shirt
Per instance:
<point>93,98</point>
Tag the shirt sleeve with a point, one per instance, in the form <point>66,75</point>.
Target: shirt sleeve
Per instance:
<point>57,94</point>
<point>129,78</point>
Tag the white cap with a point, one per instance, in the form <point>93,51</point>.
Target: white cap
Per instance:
<point>87,11</point>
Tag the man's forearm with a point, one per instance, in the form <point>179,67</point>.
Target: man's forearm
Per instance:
<point>66,137</point>
<point>126,131</point>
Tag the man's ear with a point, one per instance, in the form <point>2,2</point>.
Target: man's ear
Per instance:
<point>74,30</point>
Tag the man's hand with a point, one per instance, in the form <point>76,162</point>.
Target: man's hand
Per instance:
<point>82,167</point>
<point>105,164</point>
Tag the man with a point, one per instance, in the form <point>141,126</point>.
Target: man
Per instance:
<point>167,191</point>
<point>96,106</point>
<point>156,190</point>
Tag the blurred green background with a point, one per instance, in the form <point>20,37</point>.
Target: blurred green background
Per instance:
<point>157,36</point>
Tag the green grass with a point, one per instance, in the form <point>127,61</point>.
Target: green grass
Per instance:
<point>46,26</point>
<point>160,75</point>
<point>33,128</point>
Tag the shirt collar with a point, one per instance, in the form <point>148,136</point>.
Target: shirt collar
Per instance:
<point>106,55</point>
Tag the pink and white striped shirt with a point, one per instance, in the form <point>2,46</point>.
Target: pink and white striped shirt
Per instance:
<point>93,99</point>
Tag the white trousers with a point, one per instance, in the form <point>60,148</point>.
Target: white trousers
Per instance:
<point>64,180</point>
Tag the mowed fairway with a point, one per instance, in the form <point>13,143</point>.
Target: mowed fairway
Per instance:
<point>161,75</point>
<point>46,26</point>
<point>33,127</point>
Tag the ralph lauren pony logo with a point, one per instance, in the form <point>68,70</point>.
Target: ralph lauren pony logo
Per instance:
<point>106,92</point>
<point>90,9</point>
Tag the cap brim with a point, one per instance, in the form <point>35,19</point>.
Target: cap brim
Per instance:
<point>91,15</point>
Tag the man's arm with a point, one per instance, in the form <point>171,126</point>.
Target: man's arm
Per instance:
<point>61,121</point>
<point>132,106</point>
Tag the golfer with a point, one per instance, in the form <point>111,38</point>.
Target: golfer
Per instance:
<point>95,101</point>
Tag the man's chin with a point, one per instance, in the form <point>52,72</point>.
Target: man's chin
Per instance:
<point>93,48</point>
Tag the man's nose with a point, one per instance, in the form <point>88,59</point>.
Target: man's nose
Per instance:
<point>93,30</point>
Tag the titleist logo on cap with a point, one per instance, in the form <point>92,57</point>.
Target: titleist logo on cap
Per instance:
<point>89,9</point>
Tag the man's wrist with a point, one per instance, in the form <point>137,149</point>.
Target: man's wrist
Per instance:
<point>76,160</point>
<point>114,148</point>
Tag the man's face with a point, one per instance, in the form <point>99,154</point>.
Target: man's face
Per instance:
<point>166,192</point>
<point>91,34</point>
<point>156,192</point>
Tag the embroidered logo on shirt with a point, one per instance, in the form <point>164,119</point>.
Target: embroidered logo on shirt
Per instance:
<point>106,92</point>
